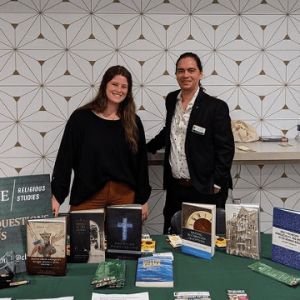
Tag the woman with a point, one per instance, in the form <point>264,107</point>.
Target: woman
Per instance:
<point>104,144</point>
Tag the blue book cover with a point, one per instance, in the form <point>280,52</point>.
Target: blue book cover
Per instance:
<point>192,245</point>
<point>286,237</point>
<point>154,272</point>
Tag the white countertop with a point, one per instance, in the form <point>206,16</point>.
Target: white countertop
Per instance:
<point>265,153</point>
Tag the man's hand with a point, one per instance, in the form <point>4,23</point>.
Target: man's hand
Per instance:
<point>216,190</point>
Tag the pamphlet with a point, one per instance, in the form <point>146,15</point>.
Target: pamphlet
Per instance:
<point>60,298</point>
<point>192,295</point>
<point>137,296</point>
<point>275,274</point>
<point>237,295</point>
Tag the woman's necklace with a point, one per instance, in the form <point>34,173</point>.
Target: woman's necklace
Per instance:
<point>111,116</point>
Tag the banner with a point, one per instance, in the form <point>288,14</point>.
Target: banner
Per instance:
<point>21,198</point>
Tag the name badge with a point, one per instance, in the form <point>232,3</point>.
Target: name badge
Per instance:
<point>198,129</point>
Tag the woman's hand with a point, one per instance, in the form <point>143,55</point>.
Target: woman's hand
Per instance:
<point>145,212</point>
<point>55,206</point>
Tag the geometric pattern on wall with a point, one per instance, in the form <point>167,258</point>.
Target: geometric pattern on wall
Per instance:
<point>154,223</point>
<point>53,55</point>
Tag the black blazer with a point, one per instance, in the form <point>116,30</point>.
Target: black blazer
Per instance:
<point>209,156</point>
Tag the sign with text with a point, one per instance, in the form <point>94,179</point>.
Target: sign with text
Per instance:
<point>21,198</point>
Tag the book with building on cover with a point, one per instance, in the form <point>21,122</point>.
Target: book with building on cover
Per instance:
<point>243,230</point>
<point>286,237</point>
<point>21,198</point>
<point>124,231</point>
<point>46,246</point>
<point>154,271</point>
<point>198,229</point>
<point>87,240</point>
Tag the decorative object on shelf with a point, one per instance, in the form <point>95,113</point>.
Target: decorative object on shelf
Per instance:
<point>243,132</point>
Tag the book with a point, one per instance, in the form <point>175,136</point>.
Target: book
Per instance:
<point>243,230</point>
<point>47,246</point>
<point>154,272</point>
<point>286,237</point>
<point>124,231</point>
<point>87,236</point>
<point>21,198</point>
<point>274,138</point>
<point>198,229</point>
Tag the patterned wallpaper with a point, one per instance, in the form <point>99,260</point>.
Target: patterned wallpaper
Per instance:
<point>53,55</point>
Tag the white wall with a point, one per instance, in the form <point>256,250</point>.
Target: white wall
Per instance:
<point>53,54</point>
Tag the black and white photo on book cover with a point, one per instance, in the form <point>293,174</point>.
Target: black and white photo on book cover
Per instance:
<point>242,230</point>
<point>87,240</point>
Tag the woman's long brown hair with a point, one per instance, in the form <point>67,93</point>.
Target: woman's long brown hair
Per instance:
<point>126,110</point>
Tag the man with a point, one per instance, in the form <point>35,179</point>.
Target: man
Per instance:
<point>198,141</point>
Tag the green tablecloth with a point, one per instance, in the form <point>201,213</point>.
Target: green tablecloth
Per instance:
<point>190,274</point>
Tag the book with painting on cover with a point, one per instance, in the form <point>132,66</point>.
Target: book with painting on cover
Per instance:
<point>243,230</point>
<point>21,198</point>
<point>46,246</point>
<point>286,237</point>
<point>124,231</point>
<point>198,229</point>
<point>154,271</point>
<point>87,240</point>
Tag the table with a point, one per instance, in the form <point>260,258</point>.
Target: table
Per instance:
<point>265,153</point>
<point>223,272</point>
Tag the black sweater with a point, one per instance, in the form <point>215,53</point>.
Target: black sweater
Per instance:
<point>97,151</point>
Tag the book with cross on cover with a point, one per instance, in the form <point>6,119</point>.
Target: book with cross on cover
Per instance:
<point>124,231</point>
